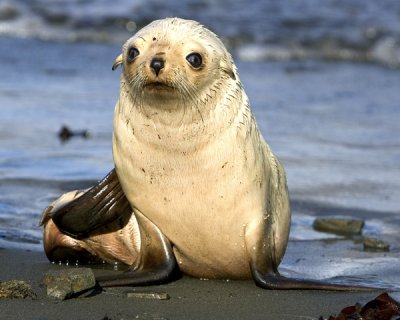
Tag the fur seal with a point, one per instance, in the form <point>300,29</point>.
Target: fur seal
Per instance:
<point>196,188</point>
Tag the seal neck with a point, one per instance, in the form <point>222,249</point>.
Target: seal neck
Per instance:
<point>187,124</point>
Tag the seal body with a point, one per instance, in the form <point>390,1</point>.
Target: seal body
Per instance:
<point>192,159</point>
<point>195,188</point>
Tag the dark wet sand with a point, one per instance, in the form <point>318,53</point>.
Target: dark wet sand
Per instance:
<point>190,298</point>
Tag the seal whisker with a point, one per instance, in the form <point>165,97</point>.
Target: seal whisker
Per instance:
<point>191,94</point>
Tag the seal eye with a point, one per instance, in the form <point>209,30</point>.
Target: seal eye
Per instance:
<point>195,60</point>
<point>132,54</point>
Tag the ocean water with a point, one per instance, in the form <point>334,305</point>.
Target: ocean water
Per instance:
<point>323,79</point>
<point>357,30</point>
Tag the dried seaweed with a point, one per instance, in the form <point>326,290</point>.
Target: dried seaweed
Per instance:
<point>383,307</point>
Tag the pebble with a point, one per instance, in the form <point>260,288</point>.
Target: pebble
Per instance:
<point>142,295</point>
<point>339,226</point>
<point>16,289</point>
<point>63,284</point>
<point>373,244</point>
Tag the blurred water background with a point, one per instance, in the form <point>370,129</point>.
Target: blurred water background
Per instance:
<point>323,78</point>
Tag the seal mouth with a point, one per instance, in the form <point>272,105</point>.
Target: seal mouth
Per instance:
<point>159,86</point>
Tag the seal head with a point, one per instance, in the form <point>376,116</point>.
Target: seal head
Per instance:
<point>173,62</point>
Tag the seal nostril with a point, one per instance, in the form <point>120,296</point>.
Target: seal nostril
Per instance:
<point>157,64</point>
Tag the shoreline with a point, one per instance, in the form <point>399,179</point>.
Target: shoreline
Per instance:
<point>189,298</point>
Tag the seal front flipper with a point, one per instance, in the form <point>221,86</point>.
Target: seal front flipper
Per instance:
<point>96,207</point>
<point>157,262</point>
<point>264,265</point>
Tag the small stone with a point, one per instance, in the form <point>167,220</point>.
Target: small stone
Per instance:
<point>16,289</point>
<point>373,244</point>
<point>153,295</point>
<point>62,284</point>
<point>339,226</point>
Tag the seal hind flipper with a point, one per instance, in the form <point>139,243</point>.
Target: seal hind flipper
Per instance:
<point>264,270</point>
<point>275,281</point>
<point>266,246</point>
<point>98,206</point>
<point>157,261</point>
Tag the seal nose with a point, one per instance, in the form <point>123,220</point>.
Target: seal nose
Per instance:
<point>157,64</point>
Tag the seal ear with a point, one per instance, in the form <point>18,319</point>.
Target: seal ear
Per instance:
<point>227,66</point>
<point>117,62</point>
<point>230,73</point>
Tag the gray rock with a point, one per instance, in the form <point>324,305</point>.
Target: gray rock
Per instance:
<point>373,244</point>
<point>147,295</point>
<point>62,284</point>
<point>340,226</point>
<point>16,289</point>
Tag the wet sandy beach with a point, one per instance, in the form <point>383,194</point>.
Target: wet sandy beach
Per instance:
<point>189,298</point>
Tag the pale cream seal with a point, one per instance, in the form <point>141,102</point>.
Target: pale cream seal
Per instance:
<point>206,195</point>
